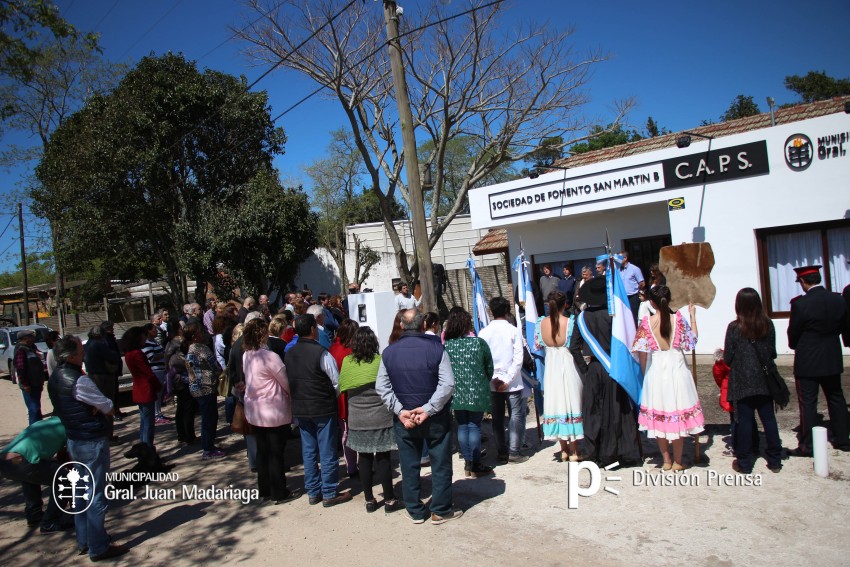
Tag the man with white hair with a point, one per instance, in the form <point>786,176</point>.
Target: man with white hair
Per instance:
<point>318,312</point>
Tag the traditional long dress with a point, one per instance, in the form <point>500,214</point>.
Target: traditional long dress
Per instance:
<point>610,430</point>
<point>669,405</point>
<point>562,416</point>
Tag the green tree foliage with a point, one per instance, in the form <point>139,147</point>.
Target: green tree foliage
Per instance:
<point>261,240</point>
<point>612,135</point>
<point>653,130</point>
<point>128,176</point>
<point>551,150</point>
<point>39,271</point>
<point>816,85</point>
<point>26,26</point>
<point>340,201</point>
<point>460,155</point>
<point>741,107</point>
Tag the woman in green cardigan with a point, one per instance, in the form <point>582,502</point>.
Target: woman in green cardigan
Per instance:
<point>370,423</point>
<point>472,365</point>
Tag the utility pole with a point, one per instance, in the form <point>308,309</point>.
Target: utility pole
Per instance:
<point>60,281</point>
<point>411,161</point>
<point>24,265</point>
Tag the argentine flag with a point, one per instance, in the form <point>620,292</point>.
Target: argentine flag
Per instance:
<point>525,296</point>
<point>479,306</point>
<point>623,367</point>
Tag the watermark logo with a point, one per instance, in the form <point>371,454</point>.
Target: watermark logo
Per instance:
<point>574,490</point>
<point>73,487</point>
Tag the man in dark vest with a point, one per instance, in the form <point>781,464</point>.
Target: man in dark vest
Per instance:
<point>29,368</point>
<point>814,327</point>
<point>314,386</point>
<point>84,412</point>
<point>416,383</point>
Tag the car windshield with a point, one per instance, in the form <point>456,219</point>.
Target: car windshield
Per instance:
<point>40,335</point>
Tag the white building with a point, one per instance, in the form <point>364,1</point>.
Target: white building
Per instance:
<point>766,198</point>
<point>453,248</point>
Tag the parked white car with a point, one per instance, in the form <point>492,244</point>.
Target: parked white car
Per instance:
<point>8,339</point>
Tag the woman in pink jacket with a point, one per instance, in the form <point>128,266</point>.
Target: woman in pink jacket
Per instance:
<point>268,409</point>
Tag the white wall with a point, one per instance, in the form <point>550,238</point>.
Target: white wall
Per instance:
<point>731,212</point>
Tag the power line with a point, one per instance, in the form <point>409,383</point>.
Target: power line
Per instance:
<point>9,246</point>
<point>322,86</point>
<point>7,227</point>
<point>236,34</point>
<point>150,29</point>
<point>106,15</point>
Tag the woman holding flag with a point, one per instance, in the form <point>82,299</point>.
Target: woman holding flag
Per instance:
<point>669,406</point>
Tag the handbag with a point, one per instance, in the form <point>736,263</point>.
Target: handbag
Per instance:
<point>240,422</point>
<point>224,383</point>
<point>775,382</point>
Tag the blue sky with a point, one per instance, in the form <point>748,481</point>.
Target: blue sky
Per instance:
<point>682,61</point>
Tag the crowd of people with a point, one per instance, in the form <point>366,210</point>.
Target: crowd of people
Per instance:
<point>309,365</point>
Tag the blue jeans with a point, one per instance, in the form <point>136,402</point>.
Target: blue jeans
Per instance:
<point>436,434</point>
<point>209,420</point>
<point>32,399</point>
<point>746,432</point>
<point>469,434</point>
<point>516,427</point>
<point>32,478</point>
<point>318,442</point>
<point>91,531</point>
<point>146,422</point>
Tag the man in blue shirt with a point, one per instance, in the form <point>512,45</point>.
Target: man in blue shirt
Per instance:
<point>633,281</point>
<point>567,284</point>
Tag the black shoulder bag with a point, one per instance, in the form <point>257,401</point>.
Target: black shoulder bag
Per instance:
<point>775,382</point>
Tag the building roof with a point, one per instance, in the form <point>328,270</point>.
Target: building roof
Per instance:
<point>781,115</point>
<point>495,241</point>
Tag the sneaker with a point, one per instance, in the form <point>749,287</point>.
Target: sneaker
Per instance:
<point>161,421</point>
<point>477,470</point>
<point>214,454</point>
<point>517,459</point>
<point>392,505</point>
<point>54,528</point>
<point>111,552</point>
<point>416,520</point>
<point>454,515</point>
<point>338,499</point>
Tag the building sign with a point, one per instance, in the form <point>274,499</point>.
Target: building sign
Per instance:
<point>700,168</point>
<point>676,204</point>
<point>695,169</point>
<point>576,191</point>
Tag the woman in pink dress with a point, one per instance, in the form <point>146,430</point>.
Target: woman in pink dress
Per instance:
<point>669,405</point>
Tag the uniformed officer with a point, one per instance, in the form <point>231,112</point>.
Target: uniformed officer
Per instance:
<point>813,332</point>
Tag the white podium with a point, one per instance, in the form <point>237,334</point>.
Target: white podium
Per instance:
<point>377,310</point>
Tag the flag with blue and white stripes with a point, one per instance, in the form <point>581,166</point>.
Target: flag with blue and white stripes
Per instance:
<point>623,367</point>
<point>525,296</point>
<point>479,305</point>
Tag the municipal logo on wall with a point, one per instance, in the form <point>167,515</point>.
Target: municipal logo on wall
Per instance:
<point>798,152</point>
<point>73,487</point>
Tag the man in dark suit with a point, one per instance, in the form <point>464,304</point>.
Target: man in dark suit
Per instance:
<point>816,322</point>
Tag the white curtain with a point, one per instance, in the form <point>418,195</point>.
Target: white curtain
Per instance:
<point>838,243</point>
<point>784,253</point>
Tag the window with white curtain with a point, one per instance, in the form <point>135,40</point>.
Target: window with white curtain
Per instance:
<point>784,248</point>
